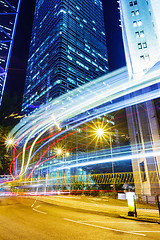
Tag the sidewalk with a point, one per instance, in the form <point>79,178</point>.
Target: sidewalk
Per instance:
<point>104,206</point>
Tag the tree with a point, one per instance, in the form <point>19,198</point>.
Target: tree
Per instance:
<point>78,185</point>
<point>5,158</point>
<point>9,117</point>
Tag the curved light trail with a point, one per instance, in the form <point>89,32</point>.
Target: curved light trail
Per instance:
<point>76,107</point>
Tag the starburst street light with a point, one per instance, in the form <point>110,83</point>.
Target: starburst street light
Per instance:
<point>59,151</point>
<point>9,142</point>
<point>100,132</point>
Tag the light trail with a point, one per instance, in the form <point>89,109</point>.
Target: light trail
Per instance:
<point>37,164</point>
<point>108,160</point>
<point>16,157</point>
<point>124,152</point>
<point>113,87</point>
<point>47,151</point>
<point>105,89</point>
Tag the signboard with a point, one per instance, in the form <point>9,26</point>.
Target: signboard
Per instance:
<point>130,196</point>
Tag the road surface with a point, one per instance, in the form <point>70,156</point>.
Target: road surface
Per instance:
<point>23,218</point>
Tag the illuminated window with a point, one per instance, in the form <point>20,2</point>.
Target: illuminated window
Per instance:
<point>147,58</point>
<point>137,34</point>
<point>142,33</point>
<point>134,24</point>
<point>139,23</point>
<point>133,13</point>
<point>144,45</point>
<point>130,4</point>
<point>137,12</point>
<point>139,46</point>
<point>142,58</point>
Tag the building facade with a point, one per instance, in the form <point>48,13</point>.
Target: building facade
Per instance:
<point>140,28</point>
<point>68,49</point>
<point>9,11</point>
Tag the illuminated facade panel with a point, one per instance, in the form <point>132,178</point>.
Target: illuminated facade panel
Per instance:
<point>8,18</point>
<point>68,49</point>
<point>140,28</point>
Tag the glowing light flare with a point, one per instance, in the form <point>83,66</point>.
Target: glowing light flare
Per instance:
<point>10,141</point>
<point>100,131</point>
<point>67,154</point>
<point>59,151</point>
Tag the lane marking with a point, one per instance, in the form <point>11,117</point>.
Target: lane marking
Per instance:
<point>148,231</point>
<point>119,222</point>
<point>38,211</point>
<point>34,203</point>
<point>106,228</point>
<point>38,206</point>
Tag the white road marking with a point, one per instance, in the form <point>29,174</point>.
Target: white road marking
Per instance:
<point>38,206</point>
<point>119,222</point>
<point>34,203</point>
<point>39,211</point>
<point>148,231</point>
<point>111,229</point>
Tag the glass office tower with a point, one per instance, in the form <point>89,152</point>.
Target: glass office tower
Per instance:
<point>8,18</point>
<point>68,49</point>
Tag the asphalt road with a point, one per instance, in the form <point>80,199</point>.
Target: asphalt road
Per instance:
<point>23,218</point>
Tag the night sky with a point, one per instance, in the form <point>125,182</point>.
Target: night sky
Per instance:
<point>20,51</point>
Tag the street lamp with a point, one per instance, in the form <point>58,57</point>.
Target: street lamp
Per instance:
<point>9,142</point>
<point>63,154</point>
<point>67,154</point>
<point>100,132</point>
<point>59,151</point>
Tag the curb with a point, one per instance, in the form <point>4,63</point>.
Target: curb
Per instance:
<point>110,214</point>
<point>141,219</point>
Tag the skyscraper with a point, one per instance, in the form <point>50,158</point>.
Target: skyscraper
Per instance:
<point>68,49</point>
<point>8,18</point>
<point>141,35</point>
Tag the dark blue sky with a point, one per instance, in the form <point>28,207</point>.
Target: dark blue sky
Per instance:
<point>18,63</point>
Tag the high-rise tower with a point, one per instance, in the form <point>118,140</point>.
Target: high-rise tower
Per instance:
<point>68,49</point>
<point>141,35</point>
<point>8,18</point>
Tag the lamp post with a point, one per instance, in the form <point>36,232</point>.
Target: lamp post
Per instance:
<point>100,132</point>
<point>110,141</point>
<point>64,154</point>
